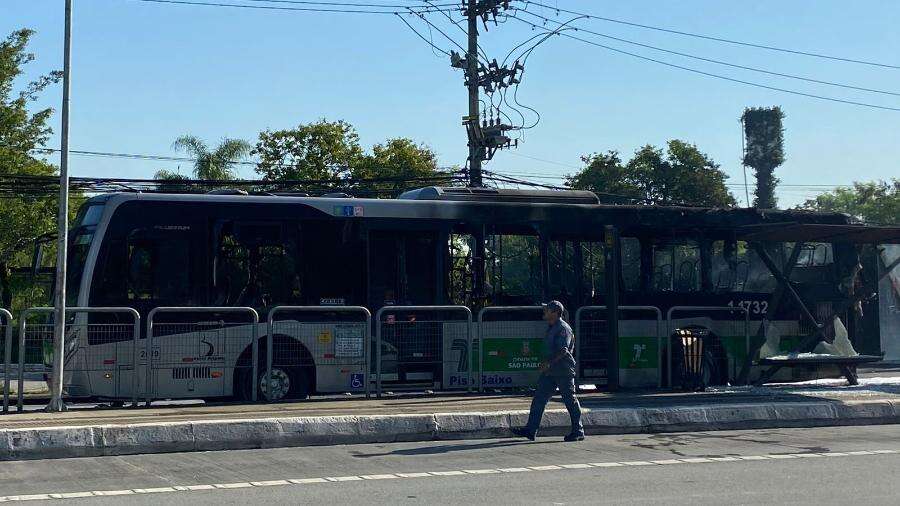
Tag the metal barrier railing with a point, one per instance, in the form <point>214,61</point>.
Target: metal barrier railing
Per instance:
<point>95,335</point>
<point>203,354</point>
<point>723,330</point>
<point>419,344</point>
<point>6,324</point>
<point>592,341</point>
<point>313,344</point>
<point>512,348</point>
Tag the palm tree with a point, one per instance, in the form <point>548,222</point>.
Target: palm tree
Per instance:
<point>217,164</point>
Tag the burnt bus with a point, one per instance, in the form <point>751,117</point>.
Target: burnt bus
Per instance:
<point>463,246</point>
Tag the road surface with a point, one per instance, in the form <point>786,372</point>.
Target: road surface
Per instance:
<point>838,465</point>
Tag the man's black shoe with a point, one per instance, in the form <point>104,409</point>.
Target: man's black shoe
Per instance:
<point>522,432</point>
<point>571,438</point>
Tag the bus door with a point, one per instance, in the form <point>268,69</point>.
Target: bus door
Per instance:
<point>403,271</point>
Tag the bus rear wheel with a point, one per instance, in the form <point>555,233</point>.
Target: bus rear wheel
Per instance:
<point>285,383</point>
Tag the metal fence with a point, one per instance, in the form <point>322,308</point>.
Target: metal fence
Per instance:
<point>510,346</point>
<point>99,358</point>
<point>423,346</point>
<point>326,347</point>
<point>640,346</point>
<point>6,324</point>
<point>214,358</point>
<point>707,344</point>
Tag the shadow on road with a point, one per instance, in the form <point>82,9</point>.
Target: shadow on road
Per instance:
<point>447,448</point>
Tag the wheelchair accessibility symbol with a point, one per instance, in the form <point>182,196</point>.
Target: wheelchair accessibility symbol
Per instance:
<point>356,380</point>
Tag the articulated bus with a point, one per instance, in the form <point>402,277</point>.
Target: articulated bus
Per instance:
<point>435,246</point>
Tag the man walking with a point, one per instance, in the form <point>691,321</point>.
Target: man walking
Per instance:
<point>557,371</point>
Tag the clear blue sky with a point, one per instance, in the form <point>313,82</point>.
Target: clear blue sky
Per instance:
<point>145,73</point>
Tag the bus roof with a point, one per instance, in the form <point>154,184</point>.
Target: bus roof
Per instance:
<point>560,210</point>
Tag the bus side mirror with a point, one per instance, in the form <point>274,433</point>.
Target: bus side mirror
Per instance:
<point>37,259</point>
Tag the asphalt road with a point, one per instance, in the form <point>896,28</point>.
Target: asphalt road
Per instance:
<point>822,466</point>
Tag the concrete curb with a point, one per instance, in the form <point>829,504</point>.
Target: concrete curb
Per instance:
<point>98,440</point>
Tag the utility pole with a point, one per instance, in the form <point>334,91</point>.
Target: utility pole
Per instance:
<point>59,328</point>
<point>485,136</point>
<point>476,151</point>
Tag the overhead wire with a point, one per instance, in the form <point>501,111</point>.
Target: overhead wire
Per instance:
<point>721,39</point>
<point>429,42</point>
<point>718,62</point>
<point>341,10</point>
<point>718,76</point>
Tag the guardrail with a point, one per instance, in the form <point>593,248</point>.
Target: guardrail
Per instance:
<point>708,309</point>
<point>6,333</point>
<point>333,343</point>
<point>595,330</point>
<point>420,344</point>
<point>47,329</point>
<point>220,347</point>
<point>515,342</point>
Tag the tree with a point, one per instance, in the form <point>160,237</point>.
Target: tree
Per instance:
<point>325,150</point>
<point>874,202</point>
<point>680,175</point>
<point>217,164</point>
<point>764,150</point>
<point>23,218</point>
<point>402,162</point>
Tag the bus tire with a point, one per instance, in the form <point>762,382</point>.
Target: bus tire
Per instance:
<point>289,382</point>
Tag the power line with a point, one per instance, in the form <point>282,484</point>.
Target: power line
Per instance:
<point>719,62</point>
<point>721,39</point>
<point>347,10</point>
<point>433,46</point>
<point>716,76</point>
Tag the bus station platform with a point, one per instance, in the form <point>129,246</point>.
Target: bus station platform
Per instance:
<point>92,431</point>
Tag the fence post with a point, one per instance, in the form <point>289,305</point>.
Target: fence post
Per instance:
<point>378,352</point>
<point>20,394</point>
<point>7,356</point>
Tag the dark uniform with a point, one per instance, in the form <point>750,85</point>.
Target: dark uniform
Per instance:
<point>560,374</point>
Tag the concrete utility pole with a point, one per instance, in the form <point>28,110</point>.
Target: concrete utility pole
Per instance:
<point>476,150</point>
<point>485,136</point>
<point>59,328</point>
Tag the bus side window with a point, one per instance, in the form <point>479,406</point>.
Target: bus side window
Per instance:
<point>255,265</point>
<point>631,263</point>
<point>594,271</point>
<point>513,269</point>
<point>676,266</point>
<point>159,270</point>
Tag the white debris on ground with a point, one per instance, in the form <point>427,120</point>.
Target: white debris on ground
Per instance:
<point>826,387</point>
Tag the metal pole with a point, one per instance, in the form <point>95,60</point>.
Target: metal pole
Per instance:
<point>614,271</point>
<point>59,330</point>
<point>475,150</point>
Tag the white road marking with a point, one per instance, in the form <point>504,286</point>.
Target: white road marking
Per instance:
<point>379,476</point>
<point>432,474</point>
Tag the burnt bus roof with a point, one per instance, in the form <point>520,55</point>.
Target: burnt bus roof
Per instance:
<point>558,212</point>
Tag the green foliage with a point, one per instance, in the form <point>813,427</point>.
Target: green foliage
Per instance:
<point>764,150</point>
<point>399,159</point>
<point>680,175</point>
<point>217,164</point>
<point>873,202</point>
<point>329,151</point>
<point>26,217</point>
<point>325,150</point>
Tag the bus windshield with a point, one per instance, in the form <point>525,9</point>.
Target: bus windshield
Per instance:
<point>79,244</point>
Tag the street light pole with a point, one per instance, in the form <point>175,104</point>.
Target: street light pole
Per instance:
<point>59,328</point>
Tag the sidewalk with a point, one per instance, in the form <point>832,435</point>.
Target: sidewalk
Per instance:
<point>87,432</point>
